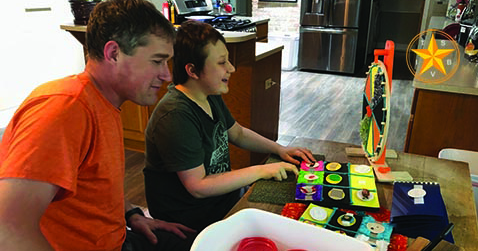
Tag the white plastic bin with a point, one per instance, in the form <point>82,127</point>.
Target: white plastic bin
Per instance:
<point>286,233</point>
<point>291,48</point>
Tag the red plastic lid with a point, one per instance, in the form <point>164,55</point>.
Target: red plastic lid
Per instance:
<point>257,244</point>
<point>384,169</point>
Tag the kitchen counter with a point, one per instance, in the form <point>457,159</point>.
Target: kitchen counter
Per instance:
<point>237,37</point>
<point>437,22</point>
<point>256,20</point>
<point>264,50</point>
<point>465,79</point>
<point>262,27</point>
<point>231,37</point>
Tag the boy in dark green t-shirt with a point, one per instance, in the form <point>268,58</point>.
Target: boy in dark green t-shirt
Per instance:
<point>188,174</point>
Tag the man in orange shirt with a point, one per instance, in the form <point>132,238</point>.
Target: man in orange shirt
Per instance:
<point>62,155</point>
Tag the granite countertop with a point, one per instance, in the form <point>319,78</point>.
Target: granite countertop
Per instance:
<point>256,20</point>
<point>465,79</point>
<point>437,22</point>
<point>231,37</point>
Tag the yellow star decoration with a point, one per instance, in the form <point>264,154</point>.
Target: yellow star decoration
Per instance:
<point>433,56</point>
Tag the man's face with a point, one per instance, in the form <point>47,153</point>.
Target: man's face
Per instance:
<point>142,74</point>
<point>217,69</point>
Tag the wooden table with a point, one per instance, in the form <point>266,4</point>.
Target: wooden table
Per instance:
<point>454,179</point>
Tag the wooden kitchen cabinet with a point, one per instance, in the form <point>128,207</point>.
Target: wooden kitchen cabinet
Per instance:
<point>440,120</point>
<point>262,31</point>
<point>266,99</point>
<point>135,119</point>
<point>251,104</point>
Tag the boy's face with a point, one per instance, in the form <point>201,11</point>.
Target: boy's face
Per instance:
<point>217,69</point>
<point>142,74</point>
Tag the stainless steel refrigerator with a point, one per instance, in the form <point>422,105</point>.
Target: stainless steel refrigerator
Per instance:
<point>329,31</point>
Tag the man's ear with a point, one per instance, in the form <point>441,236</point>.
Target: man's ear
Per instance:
<point>111,51</point>
<point>191,70</point>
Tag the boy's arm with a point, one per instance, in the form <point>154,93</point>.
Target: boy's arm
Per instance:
<point>252,141</point>
<point>201,185</point>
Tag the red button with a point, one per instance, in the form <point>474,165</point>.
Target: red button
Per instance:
<point>257,244</point>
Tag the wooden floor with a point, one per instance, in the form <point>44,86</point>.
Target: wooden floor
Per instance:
<point>329,107</point>
<point>313,105</point>
<point>134,179</point>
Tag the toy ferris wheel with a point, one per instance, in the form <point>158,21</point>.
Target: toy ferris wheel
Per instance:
<point>376,114</point>
<point>376,105</point>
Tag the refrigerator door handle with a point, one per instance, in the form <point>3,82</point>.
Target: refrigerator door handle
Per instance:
<point>317,7</point>
<point>325,30</point>
<point>331,11</point>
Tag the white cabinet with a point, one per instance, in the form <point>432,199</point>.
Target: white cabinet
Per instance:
<point>34,49</point>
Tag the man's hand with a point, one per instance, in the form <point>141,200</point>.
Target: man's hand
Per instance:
<point>145,226</point>
<point>288,154</point>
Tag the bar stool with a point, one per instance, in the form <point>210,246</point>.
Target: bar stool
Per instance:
<point>471,158</point>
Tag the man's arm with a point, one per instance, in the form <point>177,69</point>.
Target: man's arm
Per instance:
<point>22,204</point>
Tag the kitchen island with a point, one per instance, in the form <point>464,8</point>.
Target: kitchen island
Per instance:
<point>253,98</point>
<point>445,115</point>
<point>262,27</point>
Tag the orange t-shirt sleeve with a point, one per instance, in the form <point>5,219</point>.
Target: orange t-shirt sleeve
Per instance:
<point>47,140</point>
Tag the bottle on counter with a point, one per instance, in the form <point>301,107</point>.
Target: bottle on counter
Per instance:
<point>172,13</point>
<point>228,8</point>
<point>166,10</point>
<point>216,9</point>
<point>471,47</point>
<point>460,8</point>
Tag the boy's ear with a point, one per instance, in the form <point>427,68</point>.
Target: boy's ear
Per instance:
<point>111,51</point>
<point>191,70</point>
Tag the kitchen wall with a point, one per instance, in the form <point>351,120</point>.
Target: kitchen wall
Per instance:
<point>284,17</point>
<point>34,49</point>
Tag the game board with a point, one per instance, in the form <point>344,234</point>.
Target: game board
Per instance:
<point>334,184</point>
<point>364,228</point>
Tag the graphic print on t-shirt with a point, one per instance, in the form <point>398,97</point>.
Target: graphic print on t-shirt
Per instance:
<point>219,162</point>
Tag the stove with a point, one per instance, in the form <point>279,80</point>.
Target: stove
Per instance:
<point>232,24</point>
